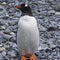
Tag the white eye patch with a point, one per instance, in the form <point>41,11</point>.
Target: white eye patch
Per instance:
<point>26,5</point>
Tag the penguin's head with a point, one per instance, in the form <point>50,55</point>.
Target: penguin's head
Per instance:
<point>25,8</point>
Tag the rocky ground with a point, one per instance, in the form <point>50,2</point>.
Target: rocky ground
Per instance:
<point>47,14</point>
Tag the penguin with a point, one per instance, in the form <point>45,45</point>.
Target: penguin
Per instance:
<point>28,33</point>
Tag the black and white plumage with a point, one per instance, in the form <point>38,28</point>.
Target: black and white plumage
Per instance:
<point>27,34</point>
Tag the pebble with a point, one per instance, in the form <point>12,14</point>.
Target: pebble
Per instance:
<point>2,27</point>
<point>6,36</point>
<point>51,12</point>
<point>3,53</point>
<point>4,3</point>
<point>7,31</point>
<point>57,7</point>
<point>7,46</point>
<point>1,10</point>
<point>57,13</point>
<point>2,48</point>
<point>44,46</point>
<point>12,34</point>
<point>1,45</point>
<point>41,28</point>
<point>12,23</point>
<point>14,45</point>
<point>12,53</point>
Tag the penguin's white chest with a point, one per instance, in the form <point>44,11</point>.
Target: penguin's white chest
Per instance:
<point>28,34</point>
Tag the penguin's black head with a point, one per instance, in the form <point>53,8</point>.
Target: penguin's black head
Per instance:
<point>25,8</point>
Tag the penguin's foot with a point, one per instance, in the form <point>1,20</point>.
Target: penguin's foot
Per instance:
<point>23,58</point>
<point>33,57</point>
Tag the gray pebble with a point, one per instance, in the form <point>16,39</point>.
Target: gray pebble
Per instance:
<point>6,36</point>
<point>12,53</point>
<point>2,48</point>
<point>3,53</point>
<point>7,31</point>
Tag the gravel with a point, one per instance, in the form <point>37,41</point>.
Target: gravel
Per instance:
<point>47,14</point>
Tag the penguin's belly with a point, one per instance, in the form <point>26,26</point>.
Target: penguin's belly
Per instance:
<point>28,37</point>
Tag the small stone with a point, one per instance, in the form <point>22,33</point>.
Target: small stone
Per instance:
<point>44,46</point>
<point>38,54</point>
<point>16,49</point>
<point>7,15</point>
<point>10,17</point>
<point>2,48</point>
<point>57,7</point>
<point>11,23</point>
<point>57,13</point>
<point>4,3</point>
<point>7,31</point>
<point>11,44</point>
<point>3,53</point>
<point>7,46</point>
<point>3,27</point>
<point>41,28</point>
<point>12,53</point>
<point>52,46</point>
<point>51,12</point>
<point>1,45</point>
<point>12,34</point>
<point>6,36</point>
<point>14,45</point>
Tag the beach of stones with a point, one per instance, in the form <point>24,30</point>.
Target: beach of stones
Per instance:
<point>47,14</point>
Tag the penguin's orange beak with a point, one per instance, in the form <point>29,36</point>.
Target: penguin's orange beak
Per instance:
<point>17,6</point>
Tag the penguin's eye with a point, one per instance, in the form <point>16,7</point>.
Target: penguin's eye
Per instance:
<point>26,5</point>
